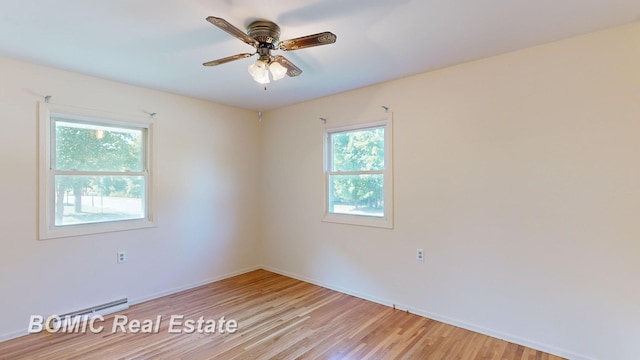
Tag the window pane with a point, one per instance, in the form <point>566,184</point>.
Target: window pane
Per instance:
<point>86,147</point>
<point>83,199</point>
<point>359,150</point>
<point>356,194</point>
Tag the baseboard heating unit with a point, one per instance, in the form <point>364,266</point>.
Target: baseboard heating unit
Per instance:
<point>88,313</point>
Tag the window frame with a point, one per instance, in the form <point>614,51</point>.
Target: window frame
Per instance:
<point>385,221</point>
<point>46,178</point>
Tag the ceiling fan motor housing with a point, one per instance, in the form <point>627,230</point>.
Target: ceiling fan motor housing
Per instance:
<point>265,32</point>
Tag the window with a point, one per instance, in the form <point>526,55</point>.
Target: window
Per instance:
<point>94,172</point>
<point>358,175</point>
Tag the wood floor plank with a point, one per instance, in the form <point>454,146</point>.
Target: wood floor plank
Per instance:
<point>278,318</point>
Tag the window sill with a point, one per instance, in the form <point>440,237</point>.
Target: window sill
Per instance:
<point>94,228</point>
<point>369,221</point>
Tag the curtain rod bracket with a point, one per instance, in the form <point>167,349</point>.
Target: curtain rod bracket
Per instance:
<point>47,99</point>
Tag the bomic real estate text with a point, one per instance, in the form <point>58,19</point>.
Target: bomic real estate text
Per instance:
<point>121,323</point>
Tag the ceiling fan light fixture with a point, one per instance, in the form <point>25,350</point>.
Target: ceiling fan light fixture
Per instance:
<point>259,71</point>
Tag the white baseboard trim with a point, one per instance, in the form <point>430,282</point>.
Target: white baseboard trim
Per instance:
<point>444,319</point>
<point>23,332</point>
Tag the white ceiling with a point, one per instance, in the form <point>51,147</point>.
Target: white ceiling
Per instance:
<point>161,44</point>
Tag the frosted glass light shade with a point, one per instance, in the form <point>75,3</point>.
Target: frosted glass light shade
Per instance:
<point>259,71</point>
<point>277,71</point>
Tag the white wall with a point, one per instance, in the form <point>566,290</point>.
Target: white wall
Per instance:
<point>518,174</point>
<point>206,190</point>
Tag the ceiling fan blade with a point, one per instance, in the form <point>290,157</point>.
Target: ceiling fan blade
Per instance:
<point>292,70</point>
<point>227,59</point>
<point>234,31</point>
<point>308,41</point>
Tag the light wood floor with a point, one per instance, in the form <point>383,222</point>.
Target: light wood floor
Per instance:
<point>278,318</point>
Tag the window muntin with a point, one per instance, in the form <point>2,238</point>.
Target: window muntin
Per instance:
<point>358,175</point>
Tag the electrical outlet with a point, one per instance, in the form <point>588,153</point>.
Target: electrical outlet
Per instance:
<point>122,257</point>
<point>419,254</point>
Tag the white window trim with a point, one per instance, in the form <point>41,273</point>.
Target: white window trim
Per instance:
<point>363,220</point>
<point>46,193</point>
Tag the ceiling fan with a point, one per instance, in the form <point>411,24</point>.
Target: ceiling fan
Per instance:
<point>265,36</point>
